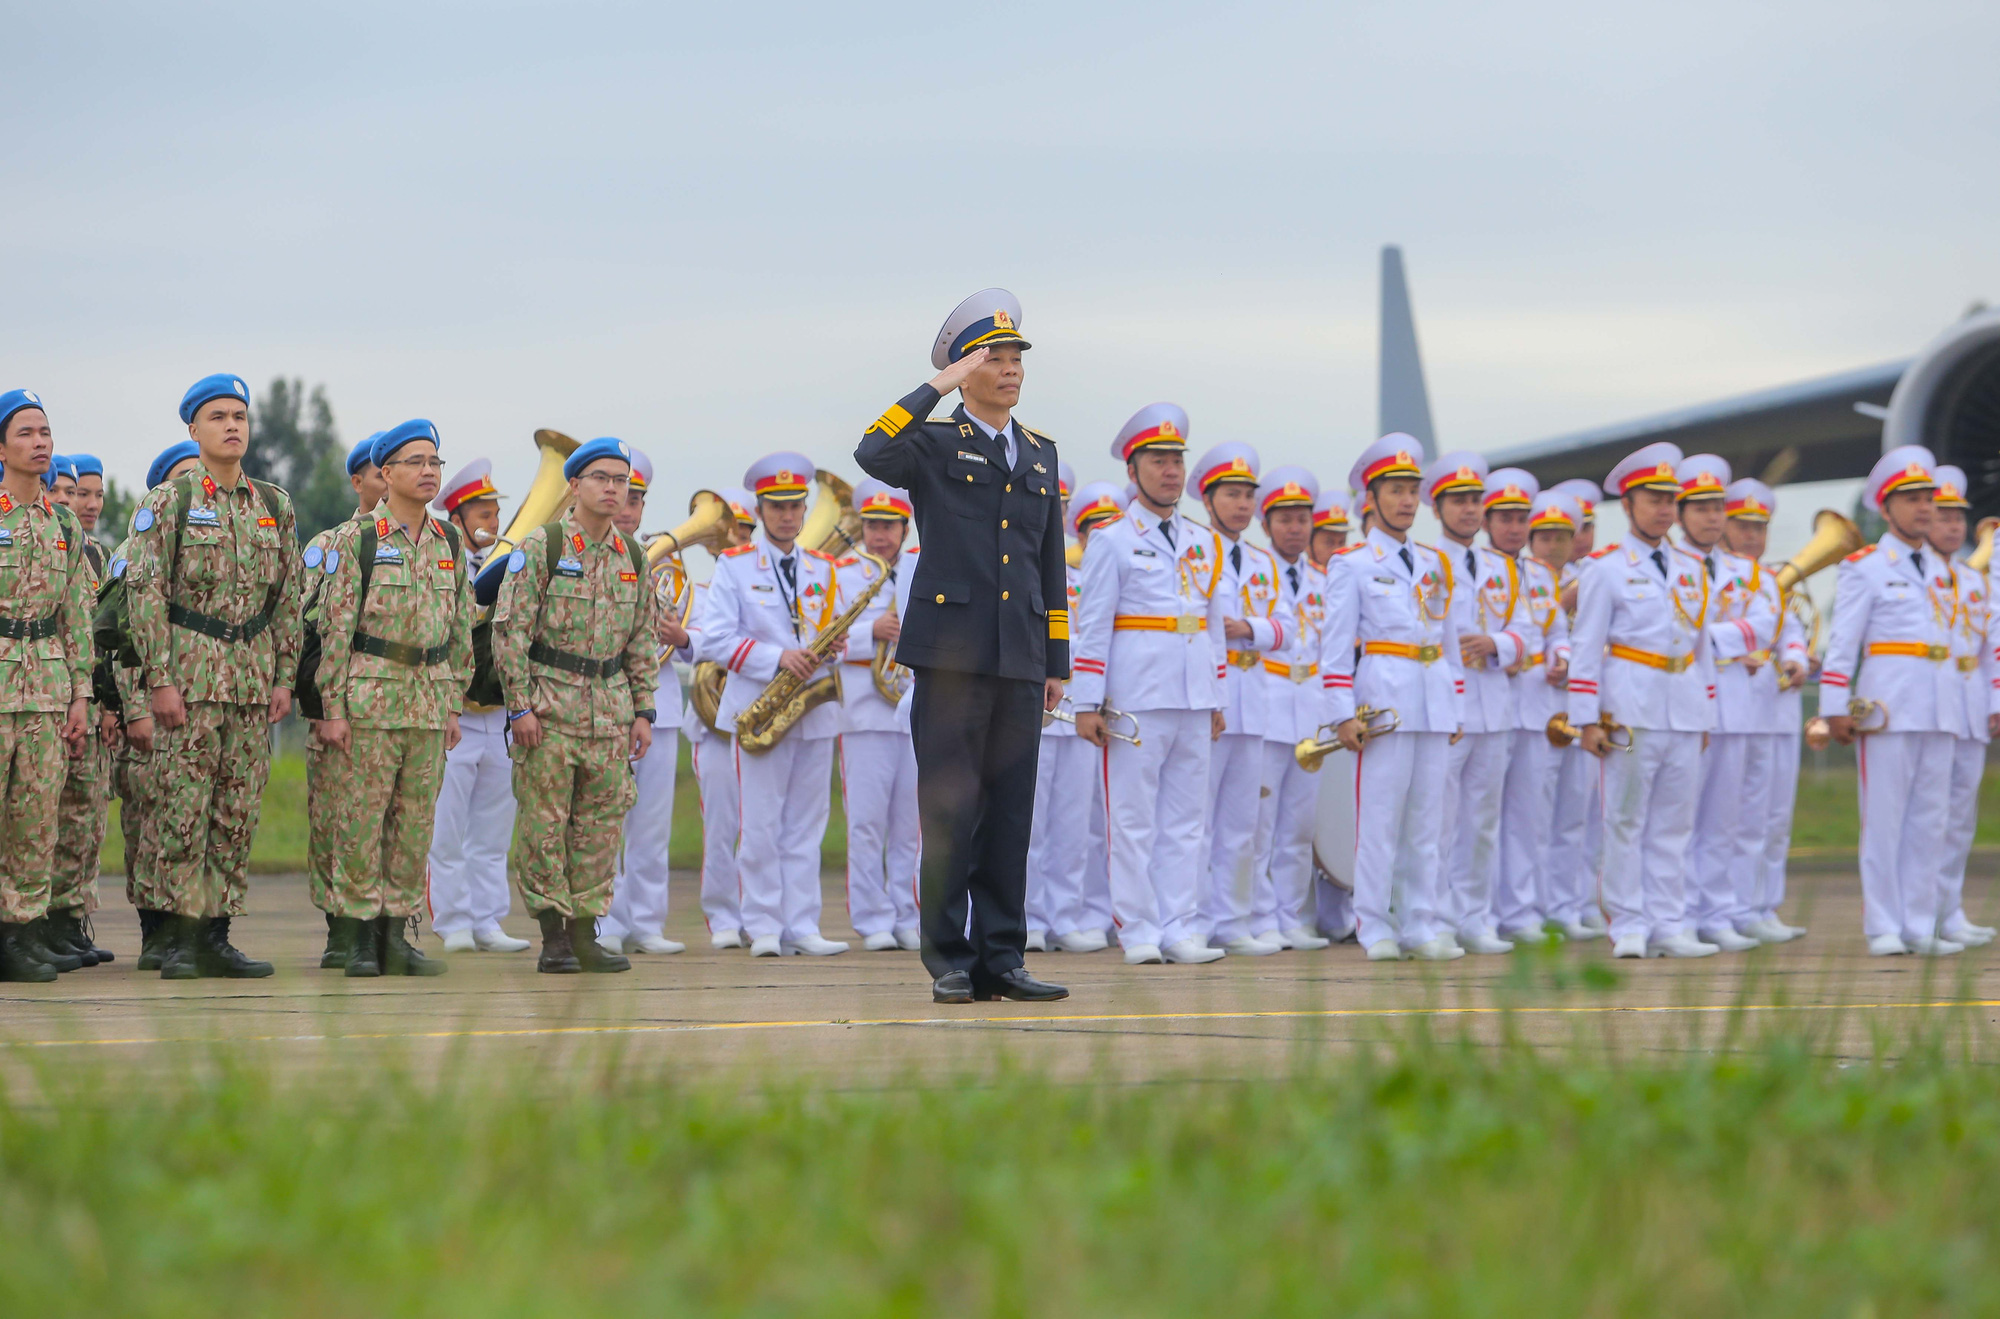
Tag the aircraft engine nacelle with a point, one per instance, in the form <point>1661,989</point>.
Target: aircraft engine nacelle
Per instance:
<point>1948,400</point>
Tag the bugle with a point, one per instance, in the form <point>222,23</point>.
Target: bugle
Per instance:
<point>1111,718</point>
<point>1562,732</point>
<point>1312,751</point>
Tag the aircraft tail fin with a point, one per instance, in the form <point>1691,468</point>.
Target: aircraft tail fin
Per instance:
<point>1402,403</point>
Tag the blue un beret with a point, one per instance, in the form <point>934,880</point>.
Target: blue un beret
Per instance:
<point>586,454</point>
<point>396,437</point>
<point>363,454</point>
<point>201,391</point>
<point>14,400</point>
<point>169,457</point>
<point>82,465</point>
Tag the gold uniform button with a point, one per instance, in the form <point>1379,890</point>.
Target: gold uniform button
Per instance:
<point>1005,559</point>
<point>1003,595</point>
<point>1003,524</point>
<point>1010,489</point>
<point>968,479</point>
<point>940,599</point>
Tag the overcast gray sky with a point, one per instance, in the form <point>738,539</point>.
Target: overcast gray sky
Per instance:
<point>719,230</point>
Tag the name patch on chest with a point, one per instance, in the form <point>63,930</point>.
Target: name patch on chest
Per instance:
<point>569,567</point>
<point>204,517</point>
<point>6,536</point>
<point>971,457</point>
<point>447,565</point>
<point>388,554</point>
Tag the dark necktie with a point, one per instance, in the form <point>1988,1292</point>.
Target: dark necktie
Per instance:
<point>1167,530</point>
<point>1408,562</point>
<point>1917,561</point>
<point>788,586</point>
<point>1660,562</point>
<point>1293,574</point>
<point>1236,559</point>
<point>1471,565</point>
<point>1708,562</point>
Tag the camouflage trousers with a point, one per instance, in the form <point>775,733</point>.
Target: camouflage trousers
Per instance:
<point>571,794</point>
<point>132,778</point>
<point>32,760</point>
<point>372,819</point>
<point>83,814</point>
<point>207,788</point>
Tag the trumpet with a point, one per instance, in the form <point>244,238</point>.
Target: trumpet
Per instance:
<point>1111,717</point>
<point>1312,751</point>
<point>1818,732</point>
<point>1562,732</point>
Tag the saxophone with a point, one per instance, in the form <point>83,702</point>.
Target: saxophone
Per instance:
<point>763,723</point>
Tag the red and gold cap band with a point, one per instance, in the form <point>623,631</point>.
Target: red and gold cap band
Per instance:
<point>1399,463</point>
<point>1288,495</point>
<point>1660,476</point>
<point>882,504</point>
<point>480,489</point>
<point>1236,469</point>
<point>1166,435</point>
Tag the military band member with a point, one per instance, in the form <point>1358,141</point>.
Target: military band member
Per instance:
<point>573,645</point>
<point>1035,906</point>
<point>1972,655</point>
<point>878,764</point>
<point>1639,654</point>
<point>83,814</point>
<point>1150,643</point>
<point>214,595</point>
<point>637,919</point>
<point>1233,889</point>
<point>469,893</point>
<point>1749,505</point>
<point>395,622</point>
<point>44,699</point>
<point>714,764</point>
<point>1330,527</point>
<point>1391,643</point>
<point>767,602</point>
<point>1517,908</point>
<point>1292,700</point>
<point>1066,851</point>
<point>1576,839</point>
<point>1527,805</point>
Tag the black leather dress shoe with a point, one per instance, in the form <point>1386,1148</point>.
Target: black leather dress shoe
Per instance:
<point>952,987</point>
<point>1021,987</point>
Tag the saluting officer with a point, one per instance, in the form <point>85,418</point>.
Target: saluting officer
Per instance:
<point>987,635</point>
<point>573,646</point>
<point>395,618</point>
<point>469,894</point>
<point>1576,839</point>
<point>1972,655</point>
<point>1639,655</point>
<point>1527,806</point>
<point>214,588</point>
<point>83,813</point>
<point>714,762</point>
<point>46,658</point>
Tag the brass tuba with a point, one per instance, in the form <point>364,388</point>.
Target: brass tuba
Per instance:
<point>833,527</point>
<point>1833,539</point>
<point>763,723</point>
<point>547,498</point>
<point>707,526</point>
<point>1982,555</point>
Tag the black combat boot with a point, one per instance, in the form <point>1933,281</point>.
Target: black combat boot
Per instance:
<point>358,952</point>
<point>558,957</point>
<point>176,943</point>
<point>399,957</point>
<point>20,959</point>
<point>216,956</point>
<point>51,946</point>
<point>87,936</point>
<point>69,931</point>
<point>335,955</point>
<point>151,924</point>
<point>590,954</point>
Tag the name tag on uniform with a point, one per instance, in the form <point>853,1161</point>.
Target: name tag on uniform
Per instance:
<point>569,567</point>
<point>1149,554</point>
<point>6,536</point>
<point>971,457</point>
<point>759,586</point>
<point>1386,581</point>
<point>388,554</point>
<point>204,517</point>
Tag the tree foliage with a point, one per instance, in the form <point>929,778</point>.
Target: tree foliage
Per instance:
<point>293,444</point>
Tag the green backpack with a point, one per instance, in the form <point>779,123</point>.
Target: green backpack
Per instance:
<point>311,704</point>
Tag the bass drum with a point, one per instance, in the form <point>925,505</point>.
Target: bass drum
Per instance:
<point>1333,828</point>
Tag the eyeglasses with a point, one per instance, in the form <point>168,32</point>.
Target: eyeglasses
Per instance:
<point>605,478</point>
<point>421,464</point>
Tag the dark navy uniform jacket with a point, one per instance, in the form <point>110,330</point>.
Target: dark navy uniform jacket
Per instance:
<point>990,594</point>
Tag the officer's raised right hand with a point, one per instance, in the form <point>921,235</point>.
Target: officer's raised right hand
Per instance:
<point>168,707</point>
<point>954,375</point>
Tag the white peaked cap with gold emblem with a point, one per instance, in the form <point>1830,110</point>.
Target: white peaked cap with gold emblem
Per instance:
<point>1155,426</point>
<point>1395,454</point>
<point>1453,472</point>
<point>1653,466</point>
<point>1511,487</point>
<point>783,475</point>
<point>988,317</point>
<point>1906,467</point>
<point>1232,460</point>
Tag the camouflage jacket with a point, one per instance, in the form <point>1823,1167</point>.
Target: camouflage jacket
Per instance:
<point>235,556</point>
<point>44,582</point>
<point>595,607</point>
<point>417,598</point>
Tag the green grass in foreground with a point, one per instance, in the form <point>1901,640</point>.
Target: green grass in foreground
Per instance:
<point>1415,1178</point>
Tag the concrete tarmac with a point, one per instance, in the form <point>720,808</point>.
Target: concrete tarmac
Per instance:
<point>866,1019</point>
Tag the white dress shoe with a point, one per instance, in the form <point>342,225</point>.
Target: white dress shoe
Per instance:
<point>1630,945</point>
<point>497,940</point>
<point>611,943</point>
<point>1595,920</point>
<point>1083,941</point>
<point>1482,942</point>
<point>1440,949</point>
<point>1038,941</point>
<point>654,943</point>
<point>1578,932</point>
<point>1972,936</point>
<point>768,946</point>
<point>883,942</point>
<point>1936,948</point>
<point>1798,931</point>
<point>1681,945</point>
<point>815,946</point>
<point>725,939</point>
<point>1385,950</point>
<point>1729,941</point>
<point>1143,954</point>
<point>1251,946</point>
<point>1887,945</point>
<point>1768,931</point>
<point>1306,941</point>
<point>909,941</point>
<point>1528,934</point>
<point>1190,953</point>
<point>1280,938</point>
<point>459,941</point>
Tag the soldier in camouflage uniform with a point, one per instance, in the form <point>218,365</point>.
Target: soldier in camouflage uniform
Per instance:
<point>213,593</point>
<point>573,647</point>
<point>369,488</point>
<point>394,664</point>
<point>44,683</point>
<point>83,812</point>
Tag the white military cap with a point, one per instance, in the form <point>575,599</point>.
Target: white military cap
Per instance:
<point>1395,454</point>
<point>879,499</point>
<point>1651,467</point>
<point>1452,473</point>
<point>1065,478</point>
<point>1703,476</point>
<point>988,317</point>
<point>1584,492</point>
<point>741,503</point>
<point>1155,426</point>
<point>1906,467</point>
<point>1330,510</point>
<point>470,482</point>
<point>1232,460</point>
<point>1749,499</point>
<point>783,475</point>
<point>1554,511</point>
<point>1511,487</point>
<point>1287,487</point>
<point>1095,504</point>
<point>642,468</point>
<point>1951,487</point>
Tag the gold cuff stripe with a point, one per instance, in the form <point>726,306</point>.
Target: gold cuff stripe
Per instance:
<point>1058,625</point>
<point>893,421</point>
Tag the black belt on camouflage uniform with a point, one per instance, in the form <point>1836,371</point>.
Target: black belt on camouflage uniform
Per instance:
<point>210,626</point>
<point>542,653</point>
<point>30,629</point>
<point>414,656</point>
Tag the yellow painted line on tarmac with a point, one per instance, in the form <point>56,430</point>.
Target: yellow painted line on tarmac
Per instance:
<point>1099,1018</point>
